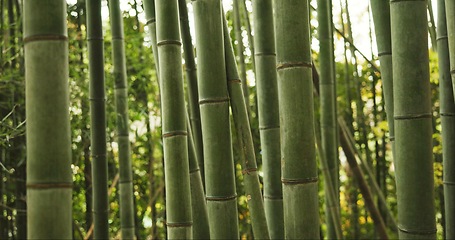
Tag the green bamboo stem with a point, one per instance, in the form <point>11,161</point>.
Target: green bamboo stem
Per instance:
<point>381,17</point>
<point>98,119</point>
<point>191,75</point>
<point>450,19</point>
<point>331,194</point>
<point>149,9</point>
<point>299,170</point>
<point>121,102</point>
<point>269,121</point>
<point>447,112</point>
<point>49,178</point>
<point>199,209</point>
<point>178,198</point>
<point>413,125</point>
<point>216,130</point>
<point>328,125</point>
<point>247,155</point>
<point>240,48</point>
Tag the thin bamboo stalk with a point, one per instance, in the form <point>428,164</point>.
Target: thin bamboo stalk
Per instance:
<point>447,112</point>
<point>381,17</point>
<point>49,178</point>
<point>191,75</point>
<point>240,49</point>
<point>328,125</point>
<point>450,19</point>
<point>247,155</point>
<point>331,194</point>
<point>121,102</point>
<point>199,209</point>
<point>98,119</point>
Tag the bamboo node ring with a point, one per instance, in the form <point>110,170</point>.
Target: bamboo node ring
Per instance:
<point>219,198</point>
<point>45,37</point>
<point>293,65</point>
<point>299,181</point>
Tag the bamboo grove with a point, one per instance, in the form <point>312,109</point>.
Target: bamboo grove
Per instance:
<point>227,119</point>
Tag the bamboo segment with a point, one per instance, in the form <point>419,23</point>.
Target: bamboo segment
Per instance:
<point>199,209</point>
<point>328,114</point>
<point>191,74</point>
<point>49,178</point>
<point>299,170</point>
<point>98,119</point>
<point>240,48</point>
<point>178,199</point>
<point>450,19</point>
<point>447,121</point>
<point>216,130</point>
<point>247,155</point>
<point>381,17</point>
<point>121,102</point>
<point>331,194</point>
<point>269,121</point>
<point>413,125</point>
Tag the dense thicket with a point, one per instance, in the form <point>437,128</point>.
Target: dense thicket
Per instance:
<point>224,165</point>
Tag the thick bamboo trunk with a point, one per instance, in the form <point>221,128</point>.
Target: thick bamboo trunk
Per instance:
<point>49,179</point>
<point>121,102</point>
<point>413,125</point>
<point>448,122</point>
<point>178,198</point>
<point>299,170</point>
<point>216,130</point>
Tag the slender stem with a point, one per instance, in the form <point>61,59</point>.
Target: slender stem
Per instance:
<point>121,102</point>
<point>98,119</point>
<point>447,112</point>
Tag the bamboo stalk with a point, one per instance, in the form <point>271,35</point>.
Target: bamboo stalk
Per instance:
<point>299,170</point>
<point>49,178</point>
<point>98,119</point>
<point>447,112</point>
<point>191,75</point>
<point>413,125</point>
<point>269,122</point>
<point>329,147</point>
<point>121,102</point>
<point>247,155</point>
<point>240,48</point>
<point>178,198</point>
<point>216,131</point>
